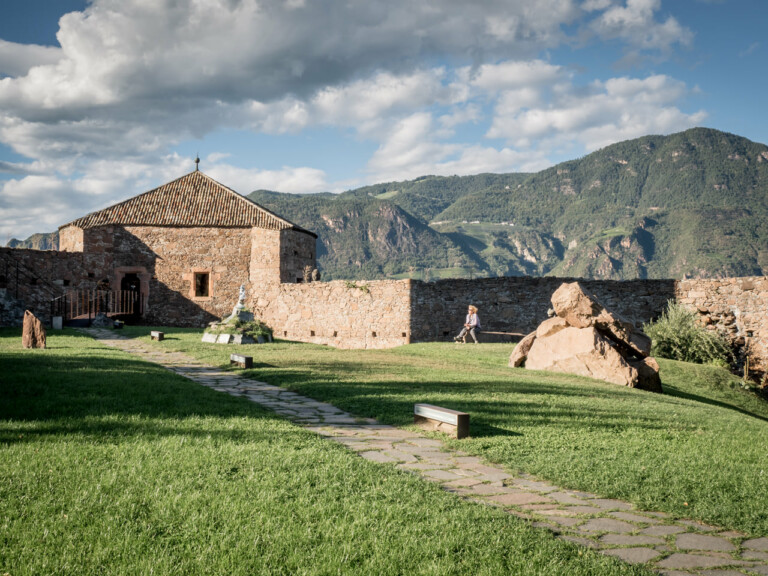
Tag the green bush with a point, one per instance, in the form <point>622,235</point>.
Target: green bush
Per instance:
<point>678,335</point>
<point>236,326</point>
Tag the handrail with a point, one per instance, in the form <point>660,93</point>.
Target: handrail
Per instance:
<point>89,303</point>
<point>24,275</point>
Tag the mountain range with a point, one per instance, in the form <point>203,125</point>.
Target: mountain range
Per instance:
<point>689,204</point>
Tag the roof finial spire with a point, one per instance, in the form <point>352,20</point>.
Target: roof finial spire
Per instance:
<point>197,162</point>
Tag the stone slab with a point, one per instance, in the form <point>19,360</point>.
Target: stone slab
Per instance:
<point>633,555</point>
<point>701,542</point>
<point>662,530</point>
<point>518,498</point>
<point>586,542</point>
<point>754,555</point>
<point>630,540</point>
<point>681,561</point>
<point>607,525</point>
<point>610,504</point>
<point>375,456</point>
<point>441,475</point>
<point>584,510</point>
<point>487,489</point>
<point>629,517</point>
<point>565,498</point>
<point>756,544</point>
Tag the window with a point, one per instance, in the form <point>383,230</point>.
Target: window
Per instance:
<point>202,281</point>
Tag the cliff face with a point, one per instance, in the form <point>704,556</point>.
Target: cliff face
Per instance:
<point>40,241</point>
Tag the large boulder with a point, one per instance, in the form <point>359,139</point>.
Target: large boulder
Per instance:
<point>582,310</point>
<point>520,353</point>
<point>586,339</point>
<point>32,331</point>
<point>573,305</point>
<point>581,351</point>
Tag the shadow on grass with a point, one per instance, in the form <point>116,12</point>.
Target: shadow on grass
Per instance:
<point>525,403</point>
<point>103,394</point>
<point>677,393</point>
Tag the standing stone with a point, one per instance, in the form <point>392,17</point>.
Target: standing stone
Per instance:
<point>32,332</point>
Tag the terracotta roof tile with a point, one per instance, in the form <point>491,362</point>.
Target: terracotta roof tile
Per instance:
<point>192,200</point>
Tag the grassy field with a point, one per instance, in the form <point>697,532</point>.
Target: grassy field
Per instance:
<point>110,465</point>
<point>697,451</point>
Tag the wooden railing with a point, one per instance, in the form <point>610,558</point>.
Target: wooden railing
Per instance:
<point>87,304</point>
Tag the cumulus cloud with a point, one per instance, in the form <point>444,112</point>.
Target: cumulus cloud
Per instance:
<point>17,59</point>
<point>416,146</point>
<point>635,22</point>
<point>606,112</point>
<point>99,116</point>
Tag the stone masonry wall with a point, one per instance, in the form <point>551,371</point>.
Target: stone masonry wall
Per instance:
<point>30,279</point>
<point>341,314</point>
<point>737,307</point>
<point>168,258</point>
<point>520,304</point>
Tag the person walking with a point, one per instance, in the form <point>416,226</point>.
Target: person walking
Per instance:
<point>471,326</point>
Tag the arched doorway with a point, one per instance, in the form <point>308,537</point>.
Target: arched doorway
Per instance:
<point>130,284</point>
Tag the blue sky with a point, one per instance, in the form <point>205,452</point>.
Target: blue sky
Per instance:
<point>104,99</point>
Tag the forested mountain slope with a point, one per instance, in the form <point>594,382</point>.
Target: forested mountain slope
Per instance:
<point>693,203</point>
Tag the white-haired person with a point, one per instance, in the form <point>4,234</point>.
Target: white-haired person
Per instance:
<point>471,326</point>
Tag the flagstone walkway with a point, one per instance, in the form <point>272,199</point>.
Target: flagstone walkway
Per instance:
<point>672,546</point>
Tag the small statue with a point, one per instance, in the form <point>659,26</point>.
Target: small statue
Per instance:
<point>315,275</point>
<point>307,274</point>
<point>242,295</point>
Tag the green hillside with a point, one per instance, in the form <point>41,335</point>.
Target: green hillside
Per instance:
<point>689,204</point>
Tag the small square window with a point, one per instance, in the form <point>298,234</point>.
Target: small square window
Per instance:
<point>202,282</point>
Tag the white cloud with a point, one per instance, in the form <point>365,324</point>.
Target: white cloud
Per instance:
<point>618,109</point>
<point>636,24</point>
<point>516,75</point>
<point>99,116</point>
<point>300,180</point>
<point>415,147</point>
<point>18,59</point>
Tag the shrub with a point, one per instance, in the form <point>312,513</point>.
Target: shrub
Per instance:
<point>678,335</point>
<point>236,326</point>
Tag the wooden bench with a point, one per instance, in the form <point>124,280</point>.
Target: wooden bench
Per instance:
<point>240,360</point>
<point>156,335</point>
<point>451,422</point>
<point>500,337</point>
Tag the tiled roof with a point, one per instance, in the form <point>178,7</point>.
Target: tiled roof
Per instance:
<point>192,200</point>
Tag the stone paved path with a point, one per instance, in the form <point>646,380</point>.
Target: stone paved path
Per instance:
<point>670,545</point>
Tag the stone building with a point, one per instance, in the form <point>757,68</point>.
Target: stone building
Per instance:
<point>183,248</point>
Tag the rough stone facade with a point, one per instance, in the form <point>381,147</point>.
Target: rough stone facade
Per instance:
<point>738,307</point>
<point>341,314</point>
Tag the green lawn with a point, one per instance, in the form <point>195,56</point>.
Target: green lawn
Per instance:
<point>697,451</point>
<point>110,465</point>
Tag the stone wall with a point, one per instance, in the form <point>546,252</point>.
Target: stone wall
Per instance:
<point>341,314</point>
<point>737,307</point>
<point>166,260</point>
<point>520,304</point>
<point>30,279</point>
